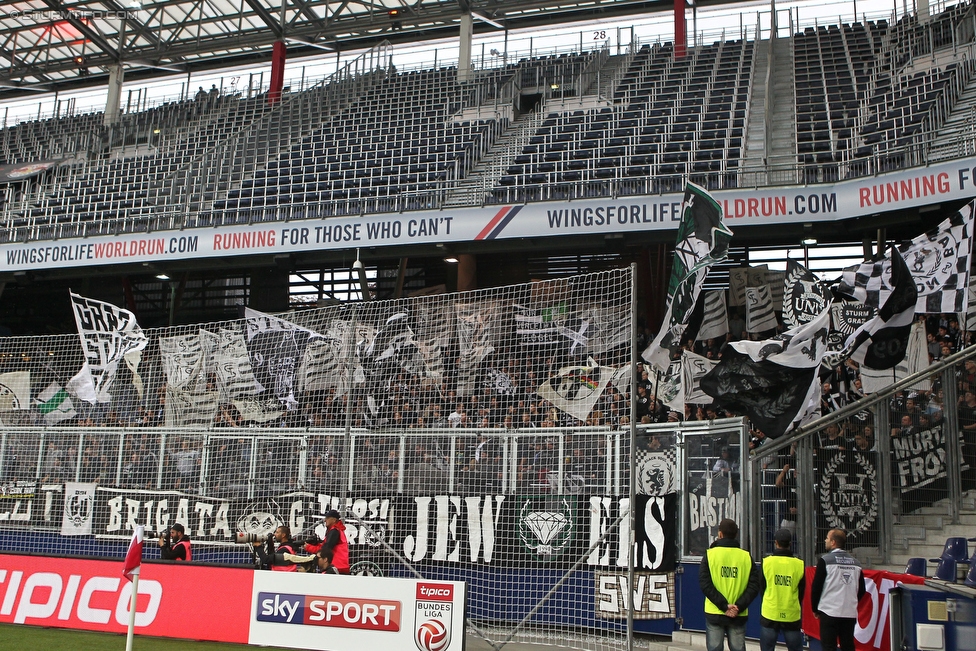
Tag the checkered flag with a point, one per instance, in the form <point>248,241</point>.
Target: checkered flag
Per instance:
<point>939,261</point>
<point>656,470</point>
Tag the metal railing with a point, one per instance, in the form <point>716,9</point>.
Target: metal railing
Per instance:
<point>910,450</point>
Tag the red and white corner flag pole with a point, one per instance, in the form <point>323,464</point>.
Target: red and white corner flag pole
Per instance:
<point>133,563</point>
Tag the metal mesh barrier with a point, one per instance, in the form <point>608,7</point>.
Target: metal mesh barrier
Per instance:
<point>482,437</point>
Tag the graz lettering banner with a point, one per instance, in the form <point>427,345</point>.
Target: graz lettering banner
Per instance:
<point>541,530</point>
<point>937,183</point>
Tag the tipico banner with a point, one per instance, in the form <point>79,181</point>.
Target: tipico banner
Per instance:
<point>625,215</point>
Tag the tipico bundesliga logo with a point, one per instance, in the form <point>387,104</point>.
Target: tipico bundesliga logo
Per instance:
<point>434,616</point>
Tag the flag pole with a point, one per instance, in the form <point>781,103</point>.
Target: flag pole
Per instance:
<point>132,612</point>
<point>131,570</point>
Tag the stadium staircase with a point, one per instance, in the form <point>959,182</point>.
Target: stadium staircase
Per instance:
<point>754,155</point>
<point>957,137</point>
<point>471,190</point>
<point>597,82</point>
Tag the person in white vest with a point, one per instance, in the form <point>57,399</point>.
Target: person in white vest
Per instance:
<point>838,585</point>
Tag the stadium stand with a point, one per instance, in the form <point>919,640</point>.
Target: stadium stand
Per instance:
<point>869,98</point>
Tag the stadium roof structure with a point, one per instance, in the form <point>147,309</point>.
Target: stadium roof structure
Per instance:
<point>51,45</point>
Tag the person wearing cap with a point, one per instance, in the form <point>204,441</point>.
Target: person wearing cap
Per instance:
<point>177,546</point>
<point>335,542</point>
<point>730,583</point>
<point>783,585</point>
<point>838,585</point>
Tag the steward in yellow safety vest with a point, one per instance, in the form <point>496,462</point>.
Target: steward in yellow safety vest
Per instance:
<point>783,585</point>
<point>729,582</point>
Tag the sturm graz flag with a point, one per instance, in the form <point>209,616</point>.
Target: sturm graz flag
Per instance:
<point>702,241</point>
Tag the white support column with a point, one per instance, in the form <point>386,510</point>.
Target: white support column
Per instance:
<point>115,76</point>
<point>924,15</point>
<point>464,48</point>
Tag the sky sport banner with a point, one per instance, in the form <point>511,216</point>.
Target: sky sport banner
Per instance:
<point>849,496</point>
<point>941,182</point>
<point>107,334</point>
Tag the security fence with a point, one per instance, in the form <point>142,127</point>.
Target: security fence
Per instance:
<point>901,452</point>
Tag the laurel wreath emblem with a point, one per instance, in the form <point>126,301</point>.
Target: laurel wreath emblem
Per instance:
<point>826,484</point>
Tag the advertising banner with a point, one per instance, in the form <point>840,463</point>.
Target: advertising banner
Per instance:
<point>352,613</point>
<point>93,596</point>
<point>872,632</point>
<point>941,182</point>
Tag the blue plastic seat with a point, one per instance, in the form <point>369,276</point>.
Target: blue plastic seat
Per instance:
<point>971,576</point>
<point>916,566</point>
<point>955,548</point>
<point>946,570</point>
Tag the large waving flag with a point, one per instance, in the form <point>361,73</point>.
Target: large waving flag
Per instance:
<point>804,297</point>
<point>882,341</point>
<point>715,321</point>
<point>702,241</point>
<point>938,261</point>
<point>760,316</point>
<point>773,382</point>
<point>107,334</point>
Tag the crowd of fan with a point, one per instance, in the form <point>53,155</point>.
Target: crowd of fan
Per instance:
<point>414,404</point>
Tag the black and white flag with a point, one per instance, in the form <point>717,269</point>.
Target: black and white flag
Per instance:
<point>476,325</point>
<point>107,333</point>
<point>693,369</point>
<point>776,281</point>
<point>760,316</point>
<point>500,382</point>
<point>328,359</point>
<point>970,320</point>
<point>773,382</point>
<point>804,297</point>
<point>79,505</point>
<point>938,261</point>
<point>916,360</point>
<point>226,358</point>
<point>182,358</point>
<point>190,409</point>
<point>433,319</point>
<point>576,389</point>
<point>738,281</point>
<point>606,328</point>
<point>881,343</point>
<point>392,351</point>
<point>592,329</point>
<point>276,348</point>
<point>703,240</point>
<point>715,321</point>
<point>15,390</point>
